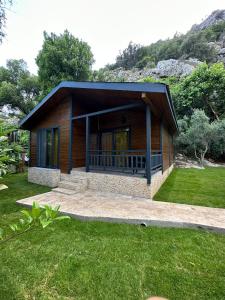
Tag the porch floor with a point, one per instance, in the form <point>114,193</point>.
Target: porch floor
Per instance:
<point>92,205</point>
<point>117,172</point>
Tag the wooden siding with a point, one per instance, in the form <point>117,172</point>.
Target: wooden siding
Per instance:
<point>134,119</point>
<point>168,148</point>
<point>58,116</point>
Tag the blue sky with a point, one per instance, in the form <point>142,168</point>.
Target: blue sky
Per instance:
<point>107,26</point>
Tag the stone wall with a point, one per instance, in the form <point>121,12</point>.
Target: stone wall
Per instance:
<point>113,183</point>
<point>44,176</point>
<point>126,185</point>
<point>158,179</point>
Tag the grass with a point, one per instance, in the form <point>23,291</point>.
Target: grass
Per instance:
<point>195,186</point>
<point>94,260</point>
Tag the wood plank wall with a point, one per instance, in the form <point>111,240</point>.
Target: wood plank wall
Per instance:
<point>134,119</point>
<point>168,148</point>
<point>58,116</point>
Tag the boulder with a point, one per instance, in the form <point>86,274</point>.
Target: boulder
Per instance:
<point>177,68</point>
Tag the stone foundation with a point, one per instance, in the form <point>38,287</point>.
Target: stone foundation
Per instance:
<point>126,185</point>
<point>44,176</point>
<point>158,179</point>
<point>112,183</point>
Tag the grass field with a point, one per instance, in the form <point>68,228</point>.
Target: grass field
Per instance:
<point>195,186</point>
<point>94,260</point>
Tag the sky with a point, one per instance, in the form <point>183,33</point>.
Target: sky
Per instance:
<point>107,26</point>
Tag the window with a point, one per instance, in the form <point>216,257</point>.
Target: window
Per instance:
<point>48,147</point>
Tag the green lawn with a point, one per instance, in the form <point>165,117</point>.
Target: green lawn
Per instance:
<point>94,260</point>
<point>195,186</point>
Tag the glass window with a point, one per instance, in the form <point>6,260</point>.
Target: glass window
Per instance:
<point>48,148</point>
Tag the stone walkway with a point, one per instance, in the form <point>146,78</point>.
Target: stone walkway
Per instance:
<point>91,205</point>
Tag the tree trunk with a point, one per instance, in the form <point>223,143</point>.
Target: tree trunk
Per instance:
<point>203,155</point>
<point>211,108</point>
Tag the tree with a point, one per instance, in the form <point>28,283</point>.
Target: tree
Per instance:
<point>218,144</point>
<point>4,4</point>
<point>63,57</point>
<point>196,135</point>
<point>18,88</point>
<point>203,89</point>
<point>129,57</point>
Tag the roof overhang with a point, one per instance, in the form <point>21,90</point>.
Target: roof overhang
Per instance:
<point>107,86</point>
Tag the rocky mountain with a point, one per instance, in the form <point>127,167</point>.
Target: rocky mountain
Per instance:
<point>177,57</point>
<point>164,68</point>
<point>214,18</point>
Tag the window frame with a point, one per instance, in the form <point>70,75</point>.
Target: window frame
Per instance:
<point>42,145</point>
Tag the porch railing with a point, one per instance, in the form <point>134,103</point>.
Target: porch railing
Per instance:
<point>130,161</point>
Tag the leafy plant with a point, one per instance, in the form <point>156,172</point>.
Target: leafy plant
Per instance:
<point>36,218</point>
<point>11,149</point>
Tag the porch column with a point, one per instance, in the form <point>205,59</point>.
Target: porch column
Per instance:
<point>161,142</point>
<point>148,143</point>
<point>87,142</point>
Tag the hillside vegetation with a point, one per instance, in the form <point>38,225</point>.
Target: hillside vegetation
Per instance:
<point>194,44</point>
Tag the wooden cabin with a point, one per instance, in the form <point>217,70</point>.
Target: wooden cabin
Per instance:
<point>116,129</point>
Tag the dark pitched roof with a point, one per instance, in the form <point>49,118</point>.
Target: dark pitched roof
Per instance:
<point>114,86</point>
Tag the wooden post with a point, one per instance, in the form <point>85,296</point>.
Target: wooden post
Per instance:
<point>87,142</point>
<point>148,143</point>
<point>161,143</point>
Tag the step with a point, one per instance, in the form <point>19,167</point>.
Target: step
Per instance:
<point>64,191</point>
<point>79,186</point>
<point>73,178</point>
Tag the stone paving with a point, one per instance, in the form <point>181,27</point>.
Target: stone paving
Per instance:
<point>92,205</point>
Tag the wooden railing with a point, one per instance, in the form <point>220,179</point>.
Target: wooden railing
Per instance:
<point>130,161</point>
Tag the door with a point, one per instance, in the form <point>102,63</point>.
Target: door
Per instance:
<point>106,149</point>
<point>121,145</point>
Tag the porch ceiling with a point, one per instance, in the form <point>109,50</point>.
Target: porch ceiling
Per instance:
<point>97,95</point>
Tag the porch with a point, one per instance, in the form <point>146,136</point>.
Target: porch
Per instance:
<point>124,139</point>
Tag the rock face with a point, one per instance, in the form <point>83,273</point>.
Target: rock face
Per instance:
<point>174,67</point>
<point>215,17</point>
<point>164,68</point>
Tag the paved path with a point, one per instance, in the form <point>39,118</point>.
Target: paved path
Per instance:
<point>125,209</point>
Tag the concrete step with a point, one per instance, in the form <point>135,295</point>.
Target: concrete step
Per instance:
<point>73,178</point>
<point>75,186</point>
<point>78,174</point>
<point>64,191</point>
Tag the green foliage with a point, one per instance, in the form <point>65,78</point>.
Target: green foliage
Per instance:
<point>129,57</point>
<point>203,89</point>
<point>18,88</point>
<point>196,45</point>
<point>11,150</point>
<point>63,57</point>
<point>193,44</point>
<point>196,135</point>
<point>146,61</point>
<point>217,149</point>
<point>4,4</point>
<point>33,219</point>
